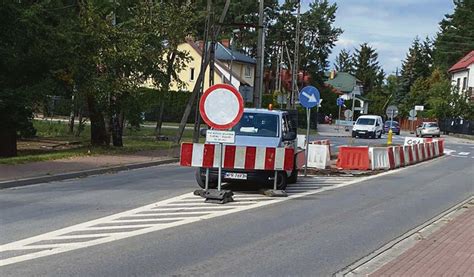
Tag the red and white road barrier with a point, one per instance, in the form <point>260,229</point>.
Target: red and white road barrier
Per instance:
<point>318,156</point>
<point>237,157</point>
<point>409,154</point>
<point>399,156</point>
<point>322,142</point>
<point>379,158</point>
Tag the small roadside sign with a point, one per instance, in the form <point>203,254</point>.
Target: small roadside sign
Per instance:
<point>412,118</point>
<point>221,106</point>
<point>392,111</point>
<point>347,114</point>
<point>216,136</point>
<point>419,108</point>
<point>413,113</point>
<point>413,141</point>
<point>344,122</point>
<point>340,102</point>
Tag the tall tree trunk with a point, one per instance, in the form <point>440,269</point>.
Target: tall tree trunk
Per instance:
<point>80,125</point>
<point>99,134</point>
<point>117,130</point>
<point>169,71</point>
<point>8,143</point>
<point>72,116</point>
<point>159,121</point>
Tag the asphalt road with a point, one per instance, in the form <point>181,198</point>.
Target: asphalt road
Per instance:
<point>317,234</point>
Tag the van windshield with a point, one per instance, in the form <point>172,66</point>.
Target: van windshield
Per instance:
<point>257,125</point>
<point>365,121</point>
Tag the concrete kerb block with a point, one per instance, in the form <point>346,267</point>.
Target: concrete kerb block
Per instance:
<point>274,193</point>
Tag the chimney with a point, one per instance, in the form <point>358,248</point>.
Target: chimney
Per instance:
<point>226,42</point>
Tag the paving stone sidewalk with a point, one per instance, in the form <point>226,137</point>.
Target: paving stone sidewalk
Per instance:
<point>81,163</point>
<point>447,252</point>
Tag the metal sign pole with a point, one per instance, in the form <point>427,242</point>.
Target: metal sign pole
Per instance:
<point>275,180</point>
<point>308,117</point>
<point>207,178</point>
<point>221,146</point>
<point>391,119</point>
<point>339,118</point>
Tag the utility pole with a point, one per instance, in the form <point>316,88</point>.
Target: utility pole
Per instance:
<point>205,53</point>
<point>294,76</point>
<point>258,83</point>
<point>197,86</point>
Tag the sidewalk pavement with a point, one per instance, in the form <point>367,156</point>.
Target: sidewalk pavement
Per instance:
<point>326,130</point>
<point>448,251</point>
<point>46,171</point>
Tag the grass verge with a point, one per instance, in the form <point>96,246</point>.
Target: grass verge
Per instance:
<point>54,142</point>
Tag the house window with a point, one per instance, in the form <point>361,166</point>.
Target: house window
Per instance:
<point>464,83</point>
<point>191,77</point>
<point>458,83</point>
<point>248,71</point>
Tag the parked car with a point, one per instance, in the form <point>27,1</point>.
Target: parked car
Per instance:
<point>428,129</point>
<point>391,125</point>
<point>261,128</point>
<point>368,126</point>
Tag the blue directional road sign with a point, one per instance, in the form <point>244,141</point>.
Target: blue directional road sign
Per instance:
<point>309,97</point>
<point>340,102</point>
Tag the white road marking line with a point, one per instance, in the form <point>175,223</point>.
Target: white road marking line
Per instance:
<point>211,211</point>
<point>464,153</point>
<point>119,226</point>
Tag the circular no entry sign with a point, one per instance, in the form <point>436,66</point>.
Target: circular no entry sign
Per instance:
<point>221,106</point>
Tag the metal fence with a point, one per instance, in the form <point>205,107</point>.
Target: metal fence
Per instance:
<point>457,126</point>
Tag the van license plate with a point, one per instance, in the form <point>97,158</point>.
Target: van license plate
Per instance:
<point>236,176</point>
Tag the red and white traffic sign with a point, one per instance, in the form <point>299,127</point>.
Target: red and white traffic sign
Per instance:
<point>221,106</point>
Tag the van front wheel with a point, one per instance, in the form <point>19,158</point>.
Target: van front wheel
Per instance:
<point>282,180</point>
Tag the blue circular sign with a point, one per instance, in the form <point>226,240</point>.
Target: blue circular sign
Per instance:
<point>340,101</point>
<point>309,97</point>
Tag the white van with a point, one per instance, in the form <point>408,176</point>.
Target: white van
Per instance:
<point>368,126</point>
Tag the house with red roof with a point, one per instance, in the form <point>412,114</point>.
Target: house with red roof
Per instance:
<point>462,75</point>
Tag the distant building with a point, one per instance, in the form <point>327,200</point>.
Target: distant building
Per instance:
<point>462,75</point>
<point>348,86</point>
<point>231,67</point>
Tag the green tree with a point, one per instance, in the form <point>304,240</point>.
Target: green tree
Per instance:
<point>417,64</point>
<point>456,36</point>
<point>28,57</point>
<point>344,62</point>
<point>318,39</point>
<point>439,97</point>
<point>366,66</point>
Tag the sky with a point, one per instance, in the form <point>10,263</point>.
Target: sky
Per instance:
<point>387,25</point>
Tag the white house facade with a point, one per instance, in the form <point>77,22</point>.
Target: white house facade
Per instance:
<point>462,75</point>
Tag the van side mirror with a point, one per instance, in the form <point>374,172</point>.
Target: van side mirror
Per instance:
<point>289,136</point>
<point>203,132</point>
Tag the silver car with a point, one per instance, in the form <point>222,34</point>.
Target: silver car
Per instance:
<point>428,129</point>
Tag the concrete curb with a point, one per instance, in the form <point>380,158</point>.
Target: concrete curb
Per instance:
<point>78,174</point>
